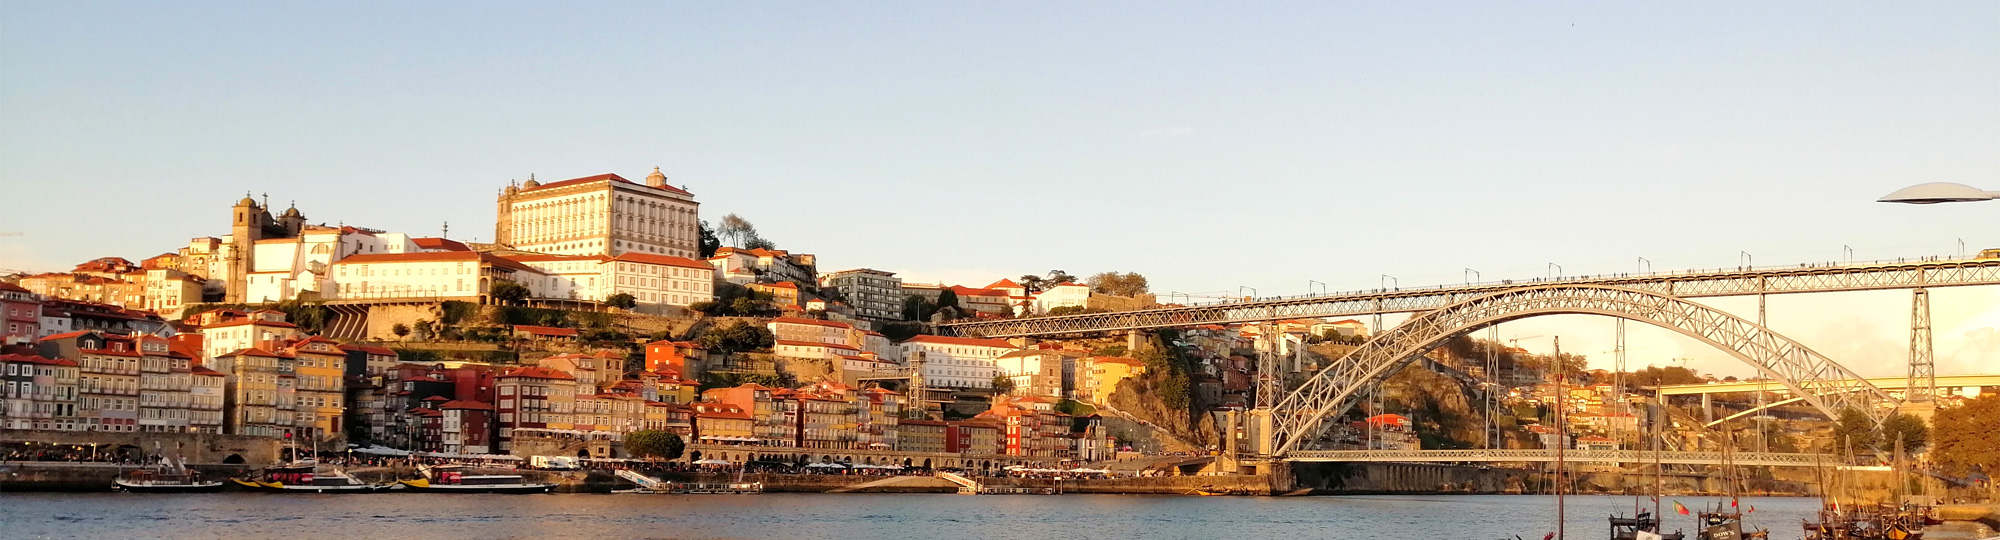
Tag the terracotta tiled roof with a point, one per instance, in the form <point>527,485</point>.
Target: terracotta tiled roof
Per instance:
<point>439,243</point>
<point>813,322</point>
<point>602,177</point>
<point>470,405</point>
<point>253,351</point>
<point>537,372</point>
<point>65,335</point>
<point>969,291</point>
<point>35,359</point>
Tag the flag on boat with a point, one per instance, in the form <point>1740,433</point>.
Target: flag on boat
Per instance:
<point>1678,509</point>
<point>1732,503</point>
<point>1753,508</point>
<point>1548,536</point>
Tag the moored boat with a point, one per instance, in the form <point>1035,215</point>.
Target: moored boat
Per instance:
<point>453,479</point>
<point>169,477</point>
<point>307,478</point>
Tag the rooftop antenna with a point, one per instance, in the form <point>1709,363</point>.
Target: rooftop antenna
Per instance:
<point>447,230</point>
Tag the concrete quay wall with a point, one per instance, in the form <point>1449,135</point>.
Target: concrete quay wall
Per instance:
<point>194,447</point>
<point>18,476</point>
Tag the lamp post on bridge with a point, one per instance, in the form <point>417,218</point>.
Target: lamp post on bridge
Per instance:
<point>1309,286</point>
<point>1472,276</point>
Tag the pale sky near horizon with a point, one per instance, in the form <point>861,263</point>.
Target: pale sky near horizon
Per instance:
<point>1208,146</point>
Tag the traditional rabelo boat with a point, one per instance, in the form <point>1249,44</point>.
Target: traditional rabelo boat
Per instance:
<point>305,477</point>
<point>453,479</point>
<point>168,477</point>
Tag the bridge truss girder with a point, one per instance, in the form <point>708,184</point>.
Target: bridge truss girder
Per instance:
<point>1828,386</point>
<point>1688,285</point>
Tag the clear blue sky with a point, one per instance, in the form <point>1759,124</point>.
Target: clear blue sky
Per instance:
<point>1208,146</point>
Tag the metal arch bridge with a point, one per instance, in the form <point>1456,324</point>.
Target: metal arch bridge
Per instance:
<point>1543,455</point>
<point>1831,278</point>
<point>1828,386</point>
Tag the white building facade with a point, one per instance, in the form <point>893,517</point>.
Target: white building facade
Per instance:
<point>956,362</point>
<point>600,215</point>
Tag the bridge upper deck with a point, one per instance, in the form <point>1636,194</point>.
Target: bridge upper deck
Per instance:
<point>1693,284</point>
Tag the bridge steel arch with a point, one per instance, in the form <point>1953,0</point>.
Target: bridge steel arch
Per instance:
<point>1828,386</point>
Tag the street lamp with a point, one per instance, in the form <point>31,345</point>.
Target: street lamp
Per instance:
<point>1939,192</point>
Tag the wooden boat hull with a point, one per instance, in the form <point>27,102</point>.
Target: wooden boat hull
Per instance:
<point>516,489</point>
<point>197,487</point>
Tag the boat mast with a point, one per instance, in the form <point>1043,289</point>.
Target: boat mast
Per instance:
<point>1729,465</point>
<point>1659,472</point>
<point>1562,433</point>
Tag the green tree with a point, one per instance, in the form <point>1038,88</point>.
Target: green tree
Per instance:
<point>1075,408</point>
<point>1116,284</point>
<point>1002,384</point>
<point>401,330</point>
<point>1963,438</point>
<point>916,308</point>
<point>1032,283</point>
<point>622,301</point>
<point>709,243</point>
<point>1854,429</point>
<point>651,443</point>
<point>735,229</point>
<point>1657,376</point>
<point>947,298</point>
<point>425,328</point>
<point>1067,310</point>
<point>508,292</point>
<point>736,337</point>
<point>1907,428</point>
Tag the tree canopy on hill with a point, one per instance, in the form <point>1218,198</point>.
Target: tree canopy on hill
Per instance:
<point>1963,438</point>
<point>1116,284</point>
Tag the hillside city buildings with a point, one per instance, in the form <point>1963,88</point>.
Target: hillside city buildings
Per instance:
<point>194,340</point>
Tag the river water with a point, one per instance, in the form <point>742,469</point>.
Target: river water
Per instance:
<point>846,517</point>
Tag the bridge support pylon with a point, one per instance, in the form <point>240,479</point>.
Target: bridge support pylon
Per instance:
<point>1922,386</point>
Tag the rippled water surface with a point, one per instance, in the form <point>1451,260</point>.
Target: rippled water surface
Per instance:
<point>847,517</point>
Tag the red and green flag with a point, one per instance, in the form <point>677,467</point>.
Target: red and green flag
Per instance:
<point>1678,509</point>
